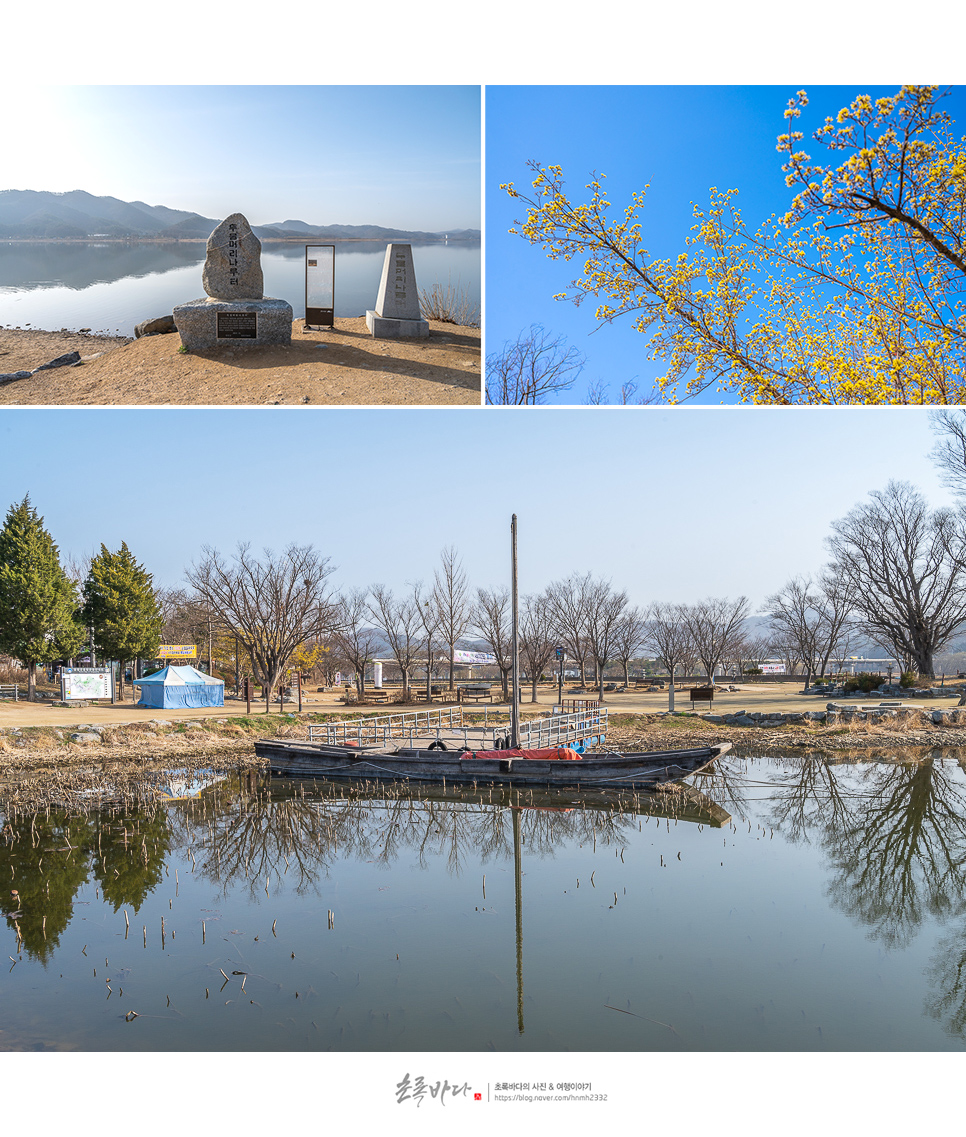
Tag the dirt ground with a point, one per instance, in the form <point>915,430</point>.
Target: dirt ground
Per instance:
<point>340,365</point>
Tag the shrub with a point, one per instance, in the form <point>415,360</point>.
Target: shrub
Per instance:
<point>868,681</point>
<point>449,305</point>
<point>908,679</point>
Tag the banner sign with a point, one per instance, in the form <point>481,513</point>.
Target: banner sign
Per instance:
<point>85,683</point>
<point>475,657</point>
<point>773,668</point>
<point>177,651</point>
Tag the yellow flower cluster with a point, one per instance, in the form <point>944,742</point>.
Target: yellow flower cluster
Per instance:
<point>855,296</point>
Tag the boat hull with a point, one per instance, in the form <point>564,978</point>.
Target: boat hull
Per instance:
<point>645,770</point>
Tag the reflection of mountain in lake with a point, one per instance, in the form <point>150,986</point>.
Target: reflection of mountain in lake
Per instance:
<point>78,266</point>
<point>114,286</point>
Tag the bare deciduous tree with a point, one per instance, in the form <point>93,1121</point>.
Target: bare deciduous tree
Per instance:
<point>903,566</point>
<point>812,616</point>
<point>491,618</point>
<point>669,637</point>
<point>629,638</point>
<point>272,605</point>
<point>401,623</point>
<point>949,453</point>
<point>713,624</point>
<point>567,602</point>
<point>354,633</point>
<point>452,603</point>
<point>537,637</point>
<point>604,610</point>
<point>756,649</point>
<point>538,364</point>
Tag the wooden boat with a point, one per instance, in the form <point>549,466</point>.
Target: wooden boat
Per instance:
<point>559,768</point>
<point>634,771</point>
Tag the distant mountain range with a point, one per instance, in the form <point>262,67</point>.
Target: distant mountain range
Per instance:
<point>78,214</point>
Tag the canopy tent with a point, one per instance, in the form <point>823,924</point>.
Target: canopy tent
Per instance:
<point>180,687</point>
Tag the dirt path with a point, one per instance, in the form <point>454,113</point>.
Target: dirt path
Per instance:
<point>340,365</point>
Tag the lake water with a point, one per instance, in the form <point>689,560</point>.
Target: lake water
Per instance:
<point>111,287</point>
<point>792,905</point>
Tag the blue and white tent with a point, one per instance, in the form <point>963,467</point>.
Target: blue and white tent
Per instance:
<point>180,687</point>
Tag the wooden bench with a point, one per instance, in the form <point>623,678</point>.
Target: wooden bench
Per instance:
<point>701,695</point>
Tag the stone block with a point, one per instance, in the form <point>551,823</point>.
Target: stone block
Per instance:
<point>388,328</point>
<point>233,262</point>
<point>398,296</point>
<point>67,360</point>
<point>207,324</point>
<point>159,326</point>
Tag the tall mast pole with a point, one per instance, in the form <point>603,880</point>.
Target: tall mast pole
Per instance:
<point>515,705</point>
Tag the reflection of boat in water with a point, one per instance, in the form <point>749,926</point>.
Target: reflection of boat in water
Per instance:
<point>565,769</point>
<point>685,804</point>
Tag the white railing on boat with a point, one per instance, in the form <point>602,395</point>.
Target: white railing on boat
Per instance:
<point>447,725</point>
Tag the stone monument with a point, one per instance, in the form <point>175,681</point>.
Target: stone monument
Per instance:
<point>234,310</point>
<point>397,303</point>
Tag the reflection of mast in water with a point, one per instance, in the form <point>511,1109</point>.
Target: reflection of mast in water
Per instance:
<point>518,896</point>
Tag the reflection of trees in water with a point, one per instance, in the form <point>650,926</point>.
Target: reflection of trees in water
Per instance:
<point>895,836</point>
<point>260,837</point>
<point>258,840</point>
<point>808,797</point>
<point>898,851</point>
<point>727,782</point>
<point>947,977</point>
<point>47,857</point>
<point>128,857</point>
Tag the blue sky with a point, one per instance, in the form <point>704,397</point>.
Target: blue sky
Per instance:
<point>671,504</point>
<point>680,141</point>
<point>325,155</point>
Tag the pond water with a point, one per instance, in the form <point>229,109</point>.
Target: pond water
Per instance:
<point>111,287</point>
<point>786,905</point>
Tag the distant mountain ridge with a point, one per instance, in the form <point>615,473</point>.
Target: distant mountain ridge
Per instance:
<point>79,214</point>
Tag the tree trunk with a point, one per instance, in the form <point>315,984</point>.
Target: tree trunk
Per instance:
<point>31,682</point>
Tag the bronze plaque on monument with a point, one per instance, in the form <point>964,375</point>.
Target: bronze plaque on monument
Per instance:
<point>236,325</point>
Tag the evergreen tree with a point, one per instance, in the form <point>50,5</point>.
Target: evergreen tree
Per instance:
<point>37,600</point>
<point>121,606</point>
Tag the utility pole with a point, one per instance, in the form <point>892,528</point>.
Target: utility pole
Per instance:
<point>515,703</point>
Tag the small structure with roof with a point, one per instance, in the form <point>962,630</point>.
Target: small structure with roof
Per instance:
<point>180,687</point>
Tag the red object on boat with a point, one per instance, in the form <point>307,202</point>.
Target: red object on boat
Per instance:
<point>553,753</point>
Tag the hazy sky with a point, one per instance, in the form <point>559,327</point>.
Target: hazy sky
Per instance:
<point>679,141</point>
<point>325,155</point>
<point>670,504</point>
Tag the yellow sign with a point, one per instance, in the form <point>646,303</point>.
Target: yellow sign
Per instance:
<point>177,651</point>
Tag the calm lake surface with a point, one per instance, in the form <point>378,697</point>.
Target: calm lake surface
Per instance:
<point>792,906</point>
<point>111,287</point>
